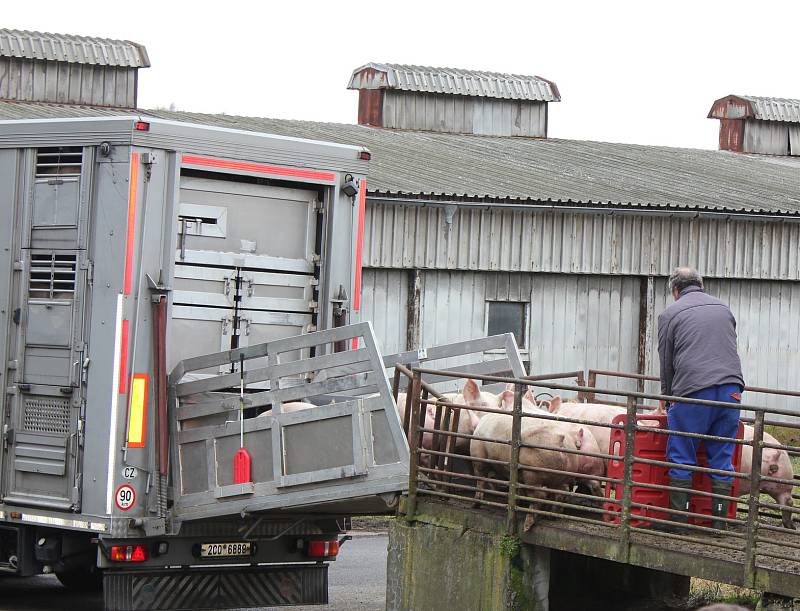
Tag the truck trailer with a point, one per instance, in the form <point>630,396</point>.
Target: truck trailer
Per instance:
<point>188,420</point>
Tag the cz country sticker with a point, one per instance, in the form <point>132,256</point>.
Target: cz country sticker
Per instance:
<point>125,497</point>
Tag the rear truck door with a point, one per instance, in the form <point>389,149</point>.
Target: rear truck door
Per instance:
<point>346,454</point>
<point>43,431</point>
<point>246,265</point>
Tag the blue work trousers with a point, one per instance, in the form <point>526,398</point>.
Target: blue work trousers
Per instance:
<point>707,420</point>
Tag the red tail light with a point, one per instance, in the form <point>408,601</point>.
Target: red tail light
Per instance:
<point>129,553</point>
<point>322,549</point>
<point>141,126</point>
<point>365,155</point>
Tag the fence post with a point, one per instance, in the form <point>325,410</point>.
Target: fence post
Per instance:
<point>396,384</point>
<point>413,445</point>
<point>752,501</point>
<point>581,380</point>
<point>593,384</point>
<point>627,488</point>
<point>513,463</point>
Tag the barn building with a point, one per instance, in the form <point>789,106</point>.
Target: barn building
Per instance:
<point>478,222</point>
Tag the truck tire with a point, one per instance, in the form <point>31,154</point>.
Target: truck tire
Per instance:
<point>89,579</point>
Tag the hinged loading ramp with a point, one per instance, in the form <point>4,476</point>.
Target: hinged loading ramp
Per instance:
<point>347,454</point>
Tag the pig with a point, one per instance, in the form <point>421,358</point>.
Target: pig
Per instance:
<point>774,463</point>
<point>591,412</point>
<point>288,408</point>
<point>470,396</point>
<point>529,403</point>
<point>539,432</point>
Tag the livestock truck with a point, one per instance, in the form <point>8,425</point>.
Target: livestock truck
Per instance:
<point>165,289</point>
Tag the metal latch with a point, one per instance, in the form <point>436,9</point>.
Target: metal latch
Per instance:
<point>8,435</point>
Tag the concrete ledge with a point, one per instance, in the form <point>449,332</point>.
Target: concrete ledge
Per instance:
<point>436,563</point>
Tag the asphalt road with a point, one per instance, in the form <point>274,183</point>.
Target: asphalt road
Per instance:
<point>357,581</point>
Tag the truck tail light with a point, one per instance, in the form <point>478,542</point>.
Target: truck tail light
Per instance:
<point>322,549</point>
<point>365,155</point>
<point>141,126</point>
<point>129,553</point>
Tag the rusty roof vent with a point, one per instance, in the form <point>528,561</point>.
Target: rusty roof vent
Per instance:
<point>452,100</point>
<point>756,124</point>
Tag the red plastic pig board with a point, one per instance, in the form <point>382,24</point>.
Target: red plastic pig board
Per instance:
<point>653,446</point>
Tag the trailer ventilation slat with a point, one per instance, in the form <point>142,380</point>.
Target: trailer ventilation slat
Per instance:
<point>47,415</point>
<point>59,162</point>
<point>52,276</point>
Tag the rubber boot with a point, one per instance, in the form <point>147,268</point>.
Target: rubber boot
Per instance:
<point>679,501</point>
<point>719,507</point>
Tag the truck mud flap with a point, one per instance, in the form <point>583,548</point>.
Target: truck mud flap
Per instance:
<point>215,588</point>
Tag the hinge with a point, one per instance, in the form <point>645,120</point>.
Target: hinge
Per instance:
<point>309,328</point>
<point>313,282</point>
<point>319,206</point>
<point>19,266</point>
<point>313,305</point>
<point>89,267</point>
<point>315,258</point>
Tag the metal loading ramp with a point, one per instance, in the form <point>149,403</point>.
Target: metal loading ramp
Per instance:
<point>345,454</point>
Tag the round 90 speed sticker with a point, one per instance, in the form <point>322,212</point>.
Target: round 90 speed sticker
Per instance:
<point>125,497</point>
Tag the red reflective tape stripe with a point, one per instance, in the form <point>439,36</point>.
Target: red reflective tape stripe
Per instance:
<point>131,236</point>
<point>355,343</point>
<point>362,204</point>
<point>258,168</point>
<point>123,360</point>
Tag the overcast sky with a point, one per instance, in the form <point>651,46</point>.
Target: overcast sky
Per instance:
<point>627,71</point>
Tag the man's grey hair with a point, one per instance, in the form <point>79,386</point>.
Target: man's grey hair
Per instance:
<point>681,277</point>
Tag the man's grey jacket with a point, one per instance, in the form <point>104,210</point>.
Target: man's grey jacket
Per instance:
<point>697,344</point>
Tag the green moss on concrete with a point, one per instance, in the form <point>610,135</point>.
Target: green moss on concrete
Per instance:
<point>436,566</point>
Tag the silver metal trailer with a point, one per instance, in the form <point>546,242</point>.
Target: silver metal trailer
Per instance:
<point>133,247</point>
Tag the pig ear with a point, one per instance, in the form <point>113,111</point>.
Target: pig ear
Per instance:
<point>529,396</point>
<point>555,405</point>
<point>579,439</point>
<point>507,399</point>
<point>471,392</point>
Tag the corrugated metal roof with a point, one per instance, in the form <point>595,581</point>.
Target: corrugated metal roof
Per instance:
<point>757,107</point>
<point>526,170</point>
<point>774,109</point>
<point>72,49</point>
<point>454,81</point>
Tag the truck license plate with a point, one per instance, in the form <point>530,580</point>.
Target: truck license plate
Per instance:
<point>222,550</point>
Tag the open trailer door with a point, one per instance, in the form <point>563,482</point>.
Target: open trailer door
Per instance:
<point>348,455</point>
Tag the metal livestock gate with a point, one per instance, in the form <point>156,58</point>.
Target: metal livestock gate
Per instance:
<point>758,548</point>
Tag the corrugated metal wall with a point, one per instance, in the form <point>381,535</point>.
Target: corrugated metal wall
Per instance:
<point>65,83</point>
<point>464,114</point>
<point>589,321</point>
<point>384,297</point>
<point>770,137</point>
<point>768,330</point>
<point>581,322</point>
<point>400,236</point>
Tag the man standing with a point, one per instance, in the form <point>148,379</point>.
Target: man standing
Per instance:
<point>697,351</point>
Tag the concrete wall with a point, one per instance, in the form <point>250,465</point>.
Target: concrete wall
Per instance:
<point>452,558</point>
<point>438,566</point>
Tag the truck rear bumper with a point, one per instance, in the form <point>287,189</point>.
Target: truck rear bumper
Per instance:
<point>215,587</point>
